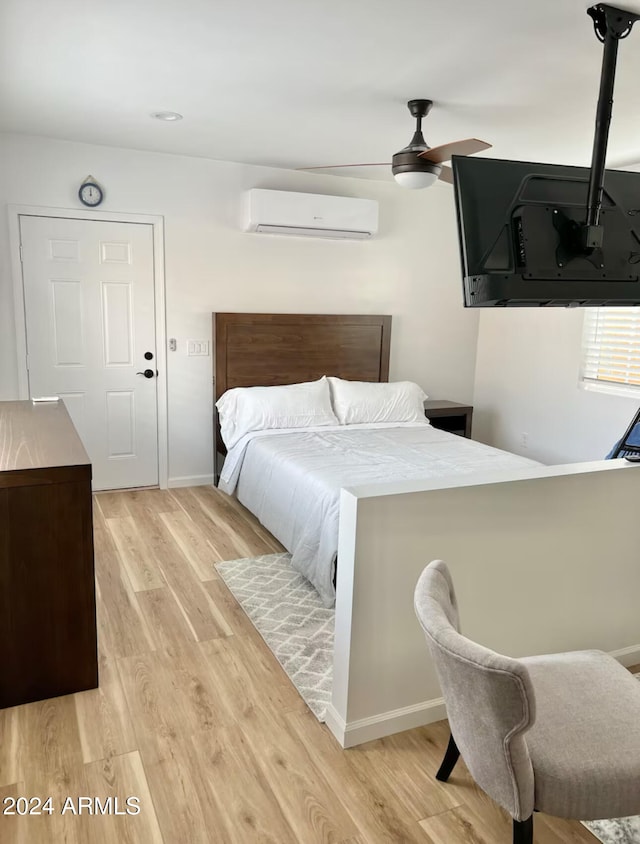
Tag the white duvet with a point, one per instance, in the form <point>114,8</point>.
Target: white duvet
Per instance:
<point>291,479</point>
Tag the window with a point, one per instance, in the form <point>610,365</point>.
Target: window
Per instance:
<point>611,349</point>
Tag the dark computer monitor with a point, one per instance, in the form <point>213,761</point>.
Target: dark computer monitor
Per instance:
<point>520,226</point>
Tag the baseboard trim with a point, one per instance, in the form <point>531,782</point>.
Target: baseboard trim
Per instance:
<point>627,656</point>
<point>335,724</point>
<point>386,723</point>
<point>191,480</point>
<point>396,720</point>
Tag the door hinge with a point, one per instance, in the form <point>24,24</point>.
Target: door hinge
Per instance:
<point>21,259</point>
<point>26,358</point>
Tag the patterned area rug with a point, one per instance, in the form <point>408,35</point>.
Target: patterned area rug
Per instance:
<point>618,831</point>
<point>289,615</point>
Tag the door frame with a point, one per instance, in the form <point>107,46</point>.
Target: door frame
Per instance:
<point>157,222</point>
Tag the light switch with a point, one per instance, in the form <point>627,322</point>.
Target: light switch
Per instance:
<point>198,347</point>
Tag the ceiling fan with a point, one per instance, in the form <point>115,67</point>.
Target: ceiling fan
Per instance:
<point>418,165</point>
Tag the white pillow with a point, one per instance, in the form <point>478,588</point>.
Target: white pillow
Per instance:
<point>245,409</point>
<point>364,401</point>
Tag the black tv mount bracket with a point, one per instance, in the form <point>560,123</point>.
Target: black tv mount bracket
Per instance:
<point>611,25</point>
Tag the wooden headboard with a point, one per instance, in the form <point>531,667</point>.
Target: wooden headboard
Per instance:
<point>260,350</point>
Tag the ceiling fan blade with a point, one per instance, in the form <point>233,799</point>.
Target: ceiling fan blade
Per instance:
<point>335,166</point>
<point>446,175</point>
<point>445,151</point>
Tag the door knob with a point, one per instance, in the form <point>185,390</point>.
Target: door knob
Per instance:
<point>148,373</point>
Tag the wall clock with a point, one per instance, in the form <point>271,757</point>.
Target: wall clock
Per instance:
<point>90,192</point>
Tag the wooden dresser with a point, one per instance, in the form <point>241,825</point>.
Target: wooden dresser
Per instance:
<point>47,588</point>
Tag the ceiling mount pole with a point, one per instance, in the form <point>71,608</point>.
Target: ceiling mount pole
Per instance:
<point>419,109</point>
<point>611,25</point>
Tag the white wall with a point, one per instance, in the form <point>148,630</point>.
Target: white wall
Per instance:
<point>538,558</point>
<point>527,382</point>
<point>411,270</point>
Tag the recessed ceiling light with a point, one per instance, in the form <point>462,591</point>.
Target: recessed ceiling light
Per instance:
<point>167,115</point>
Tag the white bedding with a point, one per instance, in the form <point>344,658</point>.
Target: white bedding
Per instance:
<point>291,479</point>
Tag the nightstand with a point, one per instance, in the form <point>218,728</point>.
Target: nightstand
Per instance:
<point>449,416</point>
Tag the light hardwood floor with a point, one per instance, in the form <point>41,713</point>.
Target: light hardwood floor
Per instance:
<point>195,717</point>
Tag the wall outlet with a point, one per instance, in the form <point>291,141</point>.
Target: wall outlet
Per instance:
<point>524,439</point>
<point>198,347</point>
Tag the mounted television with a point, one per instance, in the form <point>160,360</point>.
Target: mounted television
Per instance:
<point>520,227</point>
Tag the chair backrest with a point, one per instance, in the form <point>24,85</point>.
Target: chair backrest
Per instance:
<point>489,698</point>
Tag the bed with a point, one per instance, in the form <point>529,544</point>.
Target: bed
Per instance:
<point>290,479</point>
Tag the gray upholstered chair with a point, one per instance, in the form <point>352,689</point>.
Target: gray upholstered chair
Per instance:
<point>558,733</point>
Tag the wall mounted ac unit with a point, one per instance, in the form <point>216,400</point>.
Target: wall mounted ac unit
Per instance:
<point>310,215</point>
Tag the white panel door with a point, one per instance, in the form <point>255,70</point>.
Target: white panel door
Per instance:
<point>90,319</point>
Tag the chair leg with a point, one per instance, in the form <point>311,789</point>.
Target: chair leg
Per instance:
<point>523,831</point>
<point>451,756</point>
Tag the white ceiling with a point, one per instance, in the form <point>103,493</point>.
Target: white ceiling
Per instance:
<point>295,83</point>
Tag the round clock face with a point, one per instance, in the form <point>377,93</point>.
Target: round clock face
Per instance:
<point>91,194</point>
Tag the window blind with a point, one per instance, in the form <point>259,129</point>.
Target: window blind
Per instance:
<point>611,346</point>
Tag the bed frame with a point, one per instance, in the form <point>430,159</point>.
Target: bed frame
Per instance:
<point>261,350</point>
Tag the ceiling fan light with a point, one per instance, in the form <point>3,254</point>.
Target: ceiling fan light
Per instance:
<point>411,171</point>
<point>416,179</point>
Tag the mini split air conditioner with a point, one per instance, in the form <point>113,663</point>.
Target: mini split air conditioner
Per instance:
<point>310,215</point>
